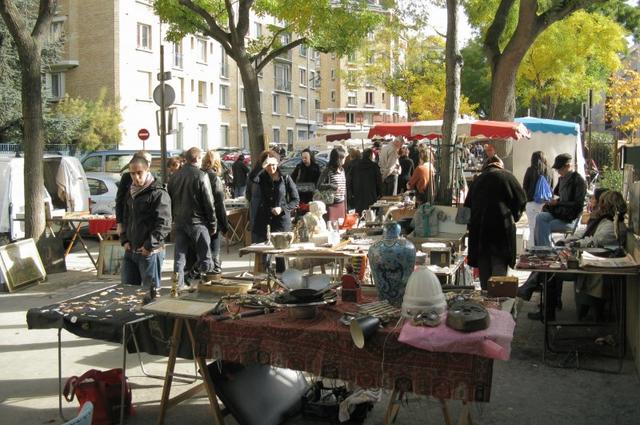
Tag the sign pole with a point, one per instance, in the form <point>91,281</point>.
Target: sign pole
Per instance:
<point>163,107</point>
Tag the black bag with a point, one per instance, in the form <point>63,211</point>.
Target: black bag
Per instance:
<point>324,403</point>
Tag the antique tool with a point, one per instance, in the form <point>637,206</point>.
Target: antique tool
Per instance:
<point>381,309</point>
<point>467,316</point>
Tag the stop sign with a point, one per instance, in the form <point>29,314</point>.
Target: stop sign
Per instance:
<point>143,134</point>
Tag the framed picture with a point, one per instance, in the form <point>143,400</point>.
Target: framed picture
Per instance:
<point>20,264</point>
<point>110,258</point>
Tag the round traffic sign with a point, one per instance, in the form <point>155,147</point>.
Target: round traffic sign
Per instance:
<point>143,134</point>
<point>169,95</point>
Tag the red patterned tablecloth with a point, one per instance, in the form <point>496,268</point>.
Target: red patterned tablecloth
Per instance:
<point>323,346</point>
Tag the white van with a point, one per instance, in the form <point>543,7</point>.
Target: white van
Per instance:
<point>65,188</point>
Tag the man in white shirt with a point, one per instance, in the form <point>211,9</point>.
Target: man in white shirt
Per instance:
<point>390,166</point>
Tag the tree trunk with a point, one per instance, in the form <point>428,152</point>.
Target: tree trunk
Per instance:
<point>33,145</point>
<point>453,61</point>
<point>252,106</point>
<point>503,88</point>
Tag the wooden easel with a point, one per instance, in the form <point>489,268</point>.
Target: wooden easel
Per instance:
<point>166,402</point>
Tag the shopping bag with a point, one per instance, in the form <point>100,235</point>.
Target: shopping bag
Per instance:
<point>103,389</point>
<point>543,191</point>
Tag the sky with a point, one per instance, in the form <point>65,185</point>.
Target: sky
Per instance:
<point>438,23</point>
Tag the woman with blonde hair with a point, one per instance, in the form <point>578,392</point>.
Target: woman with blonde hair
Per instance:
<point>212,165</point>
<point>421,180</point>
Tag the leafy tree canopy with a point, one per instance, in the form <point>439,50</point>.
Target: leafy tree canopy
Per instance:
<point>623,103</point>
<point>569,58</point>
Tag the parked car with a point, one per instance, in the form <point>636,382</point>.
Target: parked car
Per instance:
<point>65,189</point>
<point>290,164</point>
<point>103,188</point>
<point>116,161</point>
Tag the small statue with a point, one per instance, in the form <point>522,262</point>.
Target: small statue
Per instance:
<point>313,219</point>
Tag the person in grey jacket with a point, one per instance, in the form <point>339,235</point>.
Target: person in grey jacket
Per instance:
<point>193,214</point>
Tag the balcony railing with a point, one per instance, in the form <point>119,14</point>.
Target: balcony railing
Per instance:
<point>284,86</point>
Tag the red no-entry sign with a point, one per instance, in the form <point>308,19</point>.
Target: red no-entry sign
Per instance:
<point>143,134</point>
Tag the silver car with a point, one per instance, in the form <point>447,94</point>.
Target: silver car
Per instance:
<point>103,188</point>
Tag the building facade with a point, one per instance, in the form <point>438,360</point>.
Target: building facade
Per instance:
<point>114,45</point>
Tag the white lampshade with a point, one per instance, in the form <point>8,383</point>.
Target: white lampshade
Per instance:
<point>423,293</point>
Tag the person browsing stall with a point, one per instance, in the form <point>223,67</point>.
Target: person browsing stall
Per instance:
<point>307,171</point>
<point>212,165</point>
<point>390,166</point>
<point>147,214</point>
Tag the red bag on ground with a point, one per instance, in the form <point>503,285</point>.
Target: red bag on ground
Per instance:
<point>103,389</point>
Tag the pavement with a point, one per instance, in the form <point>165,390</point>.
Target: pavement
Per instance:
<point>525,391</point>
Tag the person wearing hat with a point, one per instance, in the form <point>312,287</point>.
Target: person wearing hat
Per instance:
<point>561,214</point>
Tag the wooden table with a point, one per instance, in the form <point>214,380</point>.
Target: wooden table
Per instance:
<point>237,219</point>
<point>322,346</point>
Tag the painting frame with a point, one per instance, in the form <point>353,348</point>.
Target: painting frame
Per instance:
<point>110,258</point>
<point>21,265</point>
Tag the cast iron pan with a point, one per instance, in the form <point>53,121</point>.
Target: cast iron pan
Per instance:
<point>306,294</point>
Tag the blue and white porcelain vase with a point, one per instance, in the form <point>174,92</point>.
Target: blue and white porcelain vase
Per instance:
<point>392,261</point>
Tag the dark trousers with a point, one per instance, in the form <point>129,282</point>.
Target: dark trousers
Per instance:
<point>390,185</point>
<point>195,236</point>
<point>140,270</point>
<point>491,265</point>
<point>216,240</point>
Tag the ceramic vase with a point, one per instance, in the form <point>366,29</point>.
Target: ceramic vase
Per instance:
<point>391,261</point>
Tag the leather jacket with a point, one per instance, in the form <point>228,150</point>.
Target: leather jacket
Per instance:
<point>147,218</point>
<point>571,189</point>
<point>192,198</point>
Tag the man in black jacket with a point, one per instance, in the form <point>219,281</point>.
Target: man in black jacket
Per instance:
<point>562,213</point>
<point>239,170</point>
<point>365,185</point>
<point>146,222</point>
<point>193,214</point>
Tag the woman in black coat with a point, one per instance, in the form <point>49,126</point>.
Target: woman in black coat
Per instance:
<point>496,200</point>
<point>365,185</point>
<point>275,196</point>
<point>307,171</point>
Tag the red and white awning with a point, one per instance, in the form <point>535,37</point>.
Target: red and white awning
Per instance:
<point>469,129</point>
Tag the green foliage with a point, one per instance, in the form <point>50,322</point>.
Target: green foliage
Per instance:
<point>621,11</point>
<point>475,77</point>
<point>602,149</point>
<point>611,179</point>
<point>10,83</point>
<point>85,125</point>
<point>324,26</point>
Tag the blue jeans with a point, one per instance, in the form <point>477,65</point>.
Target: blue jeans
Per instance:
<point>215,252</point>
<point>195,236</point>
<point>140,270</point>
<point>238,191</point>
<point>546,224</point>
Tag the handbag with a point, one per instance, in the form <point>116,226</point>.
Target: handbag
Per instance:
<point>325,192</point>
<point>104,390</point>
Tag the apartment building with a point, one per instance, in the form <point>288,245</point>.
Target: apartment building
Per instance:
<point>349,104</point>
<point>289,94</point>
<point>115,45</point>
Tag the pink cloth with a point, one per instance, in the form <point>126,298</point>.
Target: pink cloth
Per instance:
<point>494,342</point>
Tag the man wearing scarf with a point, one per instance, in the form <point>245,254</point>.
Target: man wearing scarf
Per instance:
<point>146,224</point>
<point>496,200</point>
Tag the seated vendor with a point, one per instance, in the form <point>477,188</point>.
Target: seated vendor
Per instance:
<point>605,228</point>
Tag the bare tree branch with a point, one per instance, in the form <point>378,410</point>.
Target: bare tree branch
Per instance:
<point>215,31</point>
<point>280,50</point>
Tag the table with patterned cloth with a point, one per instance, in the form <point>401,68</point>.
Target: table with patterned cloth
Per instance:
<point>323,347</point>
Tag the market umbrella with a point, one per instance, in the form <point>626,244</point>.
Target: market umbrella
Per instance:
<point>468,129</point>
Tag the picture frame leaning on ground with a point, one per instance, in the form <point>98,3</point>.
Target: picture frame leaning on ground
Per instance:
<point>20,264</point>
